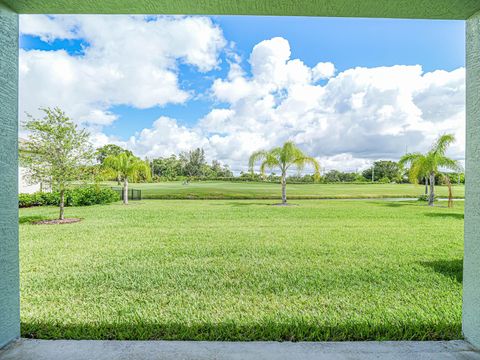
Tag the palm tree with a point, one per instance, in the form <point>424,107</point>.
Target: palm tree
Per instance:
<point>284,158</point>
<point>428,164</point>
<point>418,168</point>
<point>127,167</point>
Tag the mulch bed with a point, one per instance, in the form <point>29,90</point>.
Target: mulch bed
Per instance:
<point>57,222</point>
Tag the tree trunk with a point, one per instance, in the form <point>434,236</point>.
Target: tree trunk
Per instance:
<point>450,192</point>
<point>431,198</point>
<point>125,191</point>
<point>284,189</point>
<point>62,204</point>
<point>426,185</point>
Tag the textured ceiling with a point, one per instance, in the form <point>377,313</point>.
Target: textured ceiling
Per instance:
<point>428,9</point>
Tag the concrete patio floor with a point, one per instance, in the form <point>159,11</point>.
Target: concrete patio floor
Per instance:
<point>166,350</point>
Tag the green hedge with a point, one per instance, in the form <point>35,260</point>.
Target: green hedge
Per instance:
<point>81,196</point>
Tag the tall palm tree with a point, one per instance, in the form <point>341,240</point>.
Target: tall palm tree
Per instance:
<point>284,158</point>
<point>127,167</point>
<point>418,168</point>
<point>429,164</point>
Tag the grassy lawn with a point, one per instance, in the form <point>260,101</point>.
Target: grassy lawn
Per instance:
<point>244,270</point>
<point>243,190</point>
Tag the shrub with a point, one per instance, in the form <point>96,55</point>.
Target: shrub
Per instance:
<point>92,195</point>
<point>80,196</point>
<point>426,197</point>
<point>25,200</point>
<point>384,180</point>
<point>359,178</point>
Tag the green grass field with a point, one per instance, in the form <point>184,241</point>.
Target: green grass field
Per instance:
<point>244,270</point>
<point>244,190</point>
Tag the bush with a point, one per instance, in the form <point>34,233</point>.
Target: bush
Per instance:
<point>426,197</point>
<point>359,178</point>
<point>384,180</point>
<point>81,196</point>
<point>38,199</point>
<point>25,200</point>
<point>92,195</point>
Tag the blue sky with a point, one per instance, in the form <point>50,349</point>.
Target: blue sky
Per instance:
<point>347,43</point>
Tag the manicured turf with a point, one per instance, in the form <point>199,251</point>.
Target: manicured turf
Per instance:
<point>244,270</point>
<point>244,190</point>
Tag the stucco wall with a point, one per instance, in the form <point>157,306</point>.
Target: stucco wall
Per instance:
<point>471,267</point>
<point>9,276</point>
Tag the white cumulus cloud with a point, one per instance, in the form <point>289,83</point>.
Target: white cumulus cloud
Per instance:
<point>346,119</point>
<point>357,116</point>
<point>129,60</point>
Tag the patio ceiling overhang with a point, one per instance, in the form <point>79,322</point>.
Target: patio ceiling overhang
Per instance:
<point>413,9</point>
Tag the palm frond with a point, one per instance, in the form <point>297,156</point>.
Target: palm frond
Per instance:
<point>409,159</point>
<point>442,144</point>
<point>447,163</point>
<point>301,162</point>
<point>255,157</point>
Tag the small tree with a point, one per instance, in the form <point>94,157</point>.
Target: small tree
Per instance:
<point>110,150</point>
<point>129,168</point>
<point>428,164</point>
<point>56,151</point>
<point>383,169</point>
<point>284,158</point>
<point>107,150</point>
<point>193,162</point>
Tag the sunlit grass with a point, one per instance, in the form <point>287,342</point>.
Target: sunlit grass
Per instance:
<point>244,270</point>
<point>259,190</point>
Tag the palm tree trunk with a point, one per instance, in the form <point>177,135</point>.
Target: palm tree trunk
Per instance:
<point>284,188</point>
<point>62,204</point>
<point>426,185</point>
<point>431,198</point>
<point>450,193</point>
<point>125,191</point>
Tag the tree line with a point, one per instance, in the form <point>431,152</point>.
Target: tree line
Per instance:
<point>186,165</point>
<point>60,154</point>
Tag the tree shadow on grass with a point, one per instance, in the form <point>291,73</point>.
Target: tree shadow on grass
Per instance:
<point>241,203</point>
<point>397,204</point>
<point>31,219</point>
<point>263,330</point>
<point>449,268</point>
<point>446,215</point>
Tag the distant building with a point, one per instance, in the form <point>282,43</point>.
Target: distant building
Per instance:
<point>23,185</point>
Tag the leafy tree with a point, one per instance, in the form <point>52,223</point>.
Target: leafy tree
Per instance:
<point>169,168</point>
<point>193,162</point>
<point>383,169</point>
<point>110,149</point>
<point>429,164</point>
<point>189,164</point>
<point>360,178</point>
<point>337,176</point>
<point>129,168</point>
<point>56,152</point>
<point>284,158</point>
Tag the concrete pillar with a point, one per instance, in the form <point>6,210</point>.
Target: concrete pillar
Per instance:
<point>9,274</point>
<point>471,265</point>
